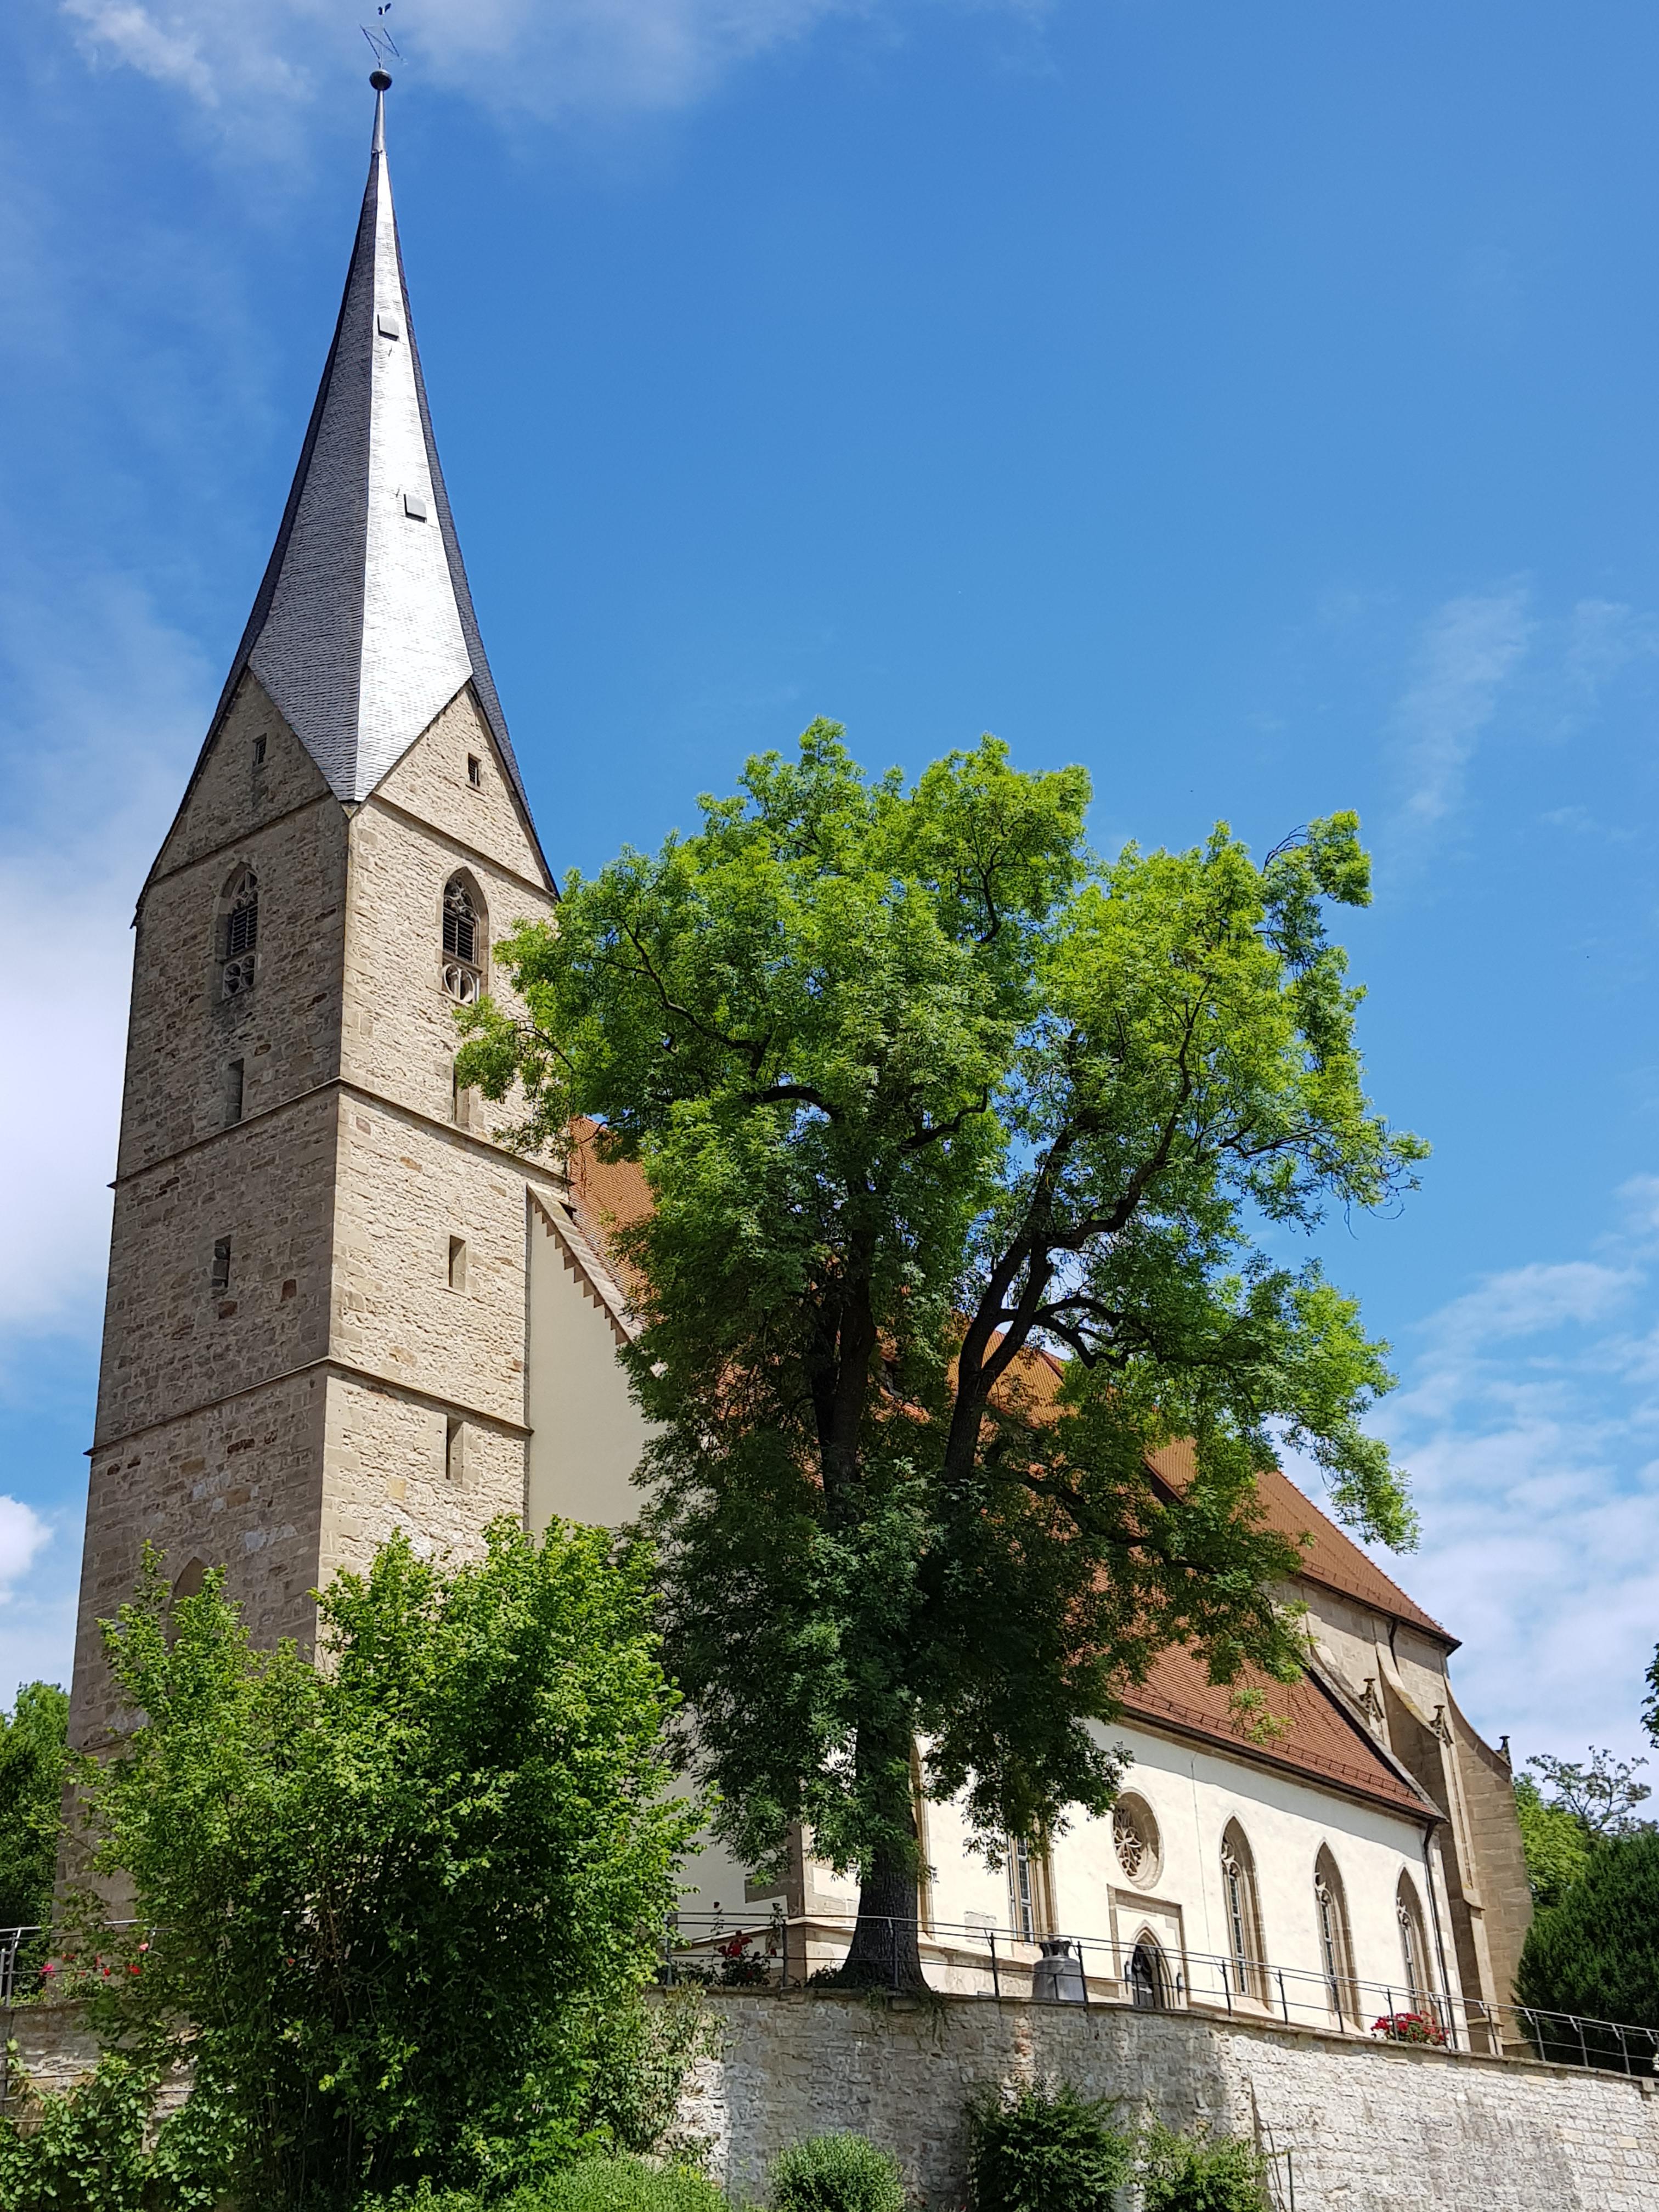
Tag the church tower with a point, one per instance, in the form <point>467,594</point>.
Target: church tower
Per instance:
<point>319,1309</point>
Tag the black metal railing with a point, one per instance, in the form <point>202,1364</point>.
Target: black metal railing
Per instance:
<point>980,1959</point>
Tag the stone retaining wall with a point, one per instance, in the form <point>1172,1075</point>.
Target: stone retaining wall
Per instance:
<point>1369,2127</point>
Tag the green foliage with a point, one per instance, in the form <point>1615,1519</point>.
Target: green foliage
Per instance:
<point>623,2185</point>
<point>1600,1792</point>
<point>84,2149</point>
<point>592,2183</point>
<point>1557,1848</point>
<point>836,2173</point>
<point>644,2053</point>
<point>1589,1800</point>
<point>1036,2149</point>
<point>922,1093</point>
<point>32,1756</point>
<point>1595,1952</point>
<point>1202,2172</point>
<point>396,1896</point>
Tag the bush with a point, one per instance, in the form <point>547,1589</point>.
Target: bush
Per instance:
<point>403,1889</point>
<point>622,2184</point>
<point>1200,2172</point>
<point>593,2185</point>
<point>643,2054</point>
<point>1596,1953</point>
<point>837,2173</point>
<point>90,2148</point>
<point>1033,2149</point>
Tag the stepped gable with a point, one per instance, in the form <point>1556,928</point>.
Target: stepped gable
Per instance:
<point>1328,1557</point>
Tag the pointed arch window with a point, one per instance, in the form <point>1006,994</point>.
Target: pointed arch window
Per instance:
<point>1414,1942</point>
<point>1147,1976</point>
<point>239,934</point>
<point>1335,1942</point>
<point>463,930</point>
<point>1243,1912</point>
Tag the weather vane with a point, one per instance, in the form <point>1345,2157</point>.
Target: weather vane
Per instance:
<point>381,44</point>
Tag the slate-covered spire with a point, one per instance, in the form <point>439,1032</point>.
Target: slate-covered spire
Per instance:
<point>362,629</point>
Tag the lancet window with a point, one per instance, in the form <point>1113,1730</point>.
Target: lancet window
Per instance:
<point>239,934</point>
<point>1413,1944</point>
<point>1335,1944</point>
<point>1028,1890</point>
<point>1243,1913</point>
<point>463,940</point>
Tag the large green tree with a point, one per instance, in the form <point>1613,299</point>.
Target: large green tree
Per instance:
<point>398,1900</point>
<point>32,1754</point>
<point>924,1094</point>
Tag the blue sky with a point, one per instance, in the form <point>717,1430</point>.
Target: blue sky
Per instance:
<point>1256,405</point>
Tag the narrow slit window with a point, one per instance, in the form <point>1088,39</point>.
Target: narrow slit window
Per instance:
<point>259,752</point>
<point>458,1263</point>
<point>454,1448</point>
<point>234,1093</point>
<point>222,1264</point>
<point>458,1113</point>
<point>475,771</point>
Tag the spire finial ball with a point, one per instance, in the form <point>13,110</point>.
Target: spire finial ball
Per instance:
<point>380,80</point>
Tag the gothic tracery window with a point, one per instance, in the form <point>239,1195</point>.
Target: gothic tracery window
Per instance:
<point>1335,1944</point>
<point>463,940</point>
<point>1135,1840</point>
<point>1413,1945</point>
<point>1243,1913</point>
<point>239,934</point>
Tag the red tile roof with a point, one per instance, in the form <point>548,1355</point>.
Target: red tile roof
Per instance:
<point>1322,1742</point>
<point>1328,1557</point>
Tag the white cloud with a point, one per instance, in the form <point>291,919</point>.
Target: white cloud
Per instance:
<point>1530,1424</point>
<point>545,57</point>
<point>23,1534</point>
<point>1469,650</point>
<point>109,704</point>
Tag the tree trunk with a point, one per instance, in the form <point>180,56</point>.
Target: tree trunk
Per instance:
<point>886,1947</point>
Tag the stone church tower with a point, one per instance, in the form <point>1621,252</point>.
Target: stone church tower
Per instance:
<point>323,1266</point>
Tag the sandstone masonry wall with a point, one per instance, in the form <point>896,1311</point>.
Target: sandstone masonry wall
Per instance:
<point>1369,2127</point>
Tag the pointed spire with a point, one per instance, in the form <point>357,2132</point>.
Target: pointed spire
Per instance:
<point>362,629</point>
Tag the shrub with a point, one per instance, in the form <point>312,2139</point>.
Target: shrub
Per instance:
<point>402,1891</point>
<point>1033,2149</point>
<point>90,2148</point>
<point>836,2173</point>
<point>644,2053</point>
<point>622,2184</point>
<point>1202,2172</point>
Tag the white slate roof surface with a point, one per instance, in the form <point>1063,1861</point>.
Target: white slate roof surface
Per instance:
<point>362,629</point>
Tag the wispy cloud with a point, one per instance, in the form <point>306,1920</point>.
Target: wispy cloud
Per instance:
<point>1470,649</point>
<point>546,57</point>
<point>1530,1422</point>
<point>108,703</point>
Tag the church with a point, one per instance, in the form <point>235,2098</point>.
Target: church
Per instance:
<point>339,1306</point>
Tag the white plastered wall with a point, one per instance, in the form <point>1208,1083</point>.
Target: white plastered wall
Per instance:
<point>587,1435</point>
<point>1192,1793</point>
